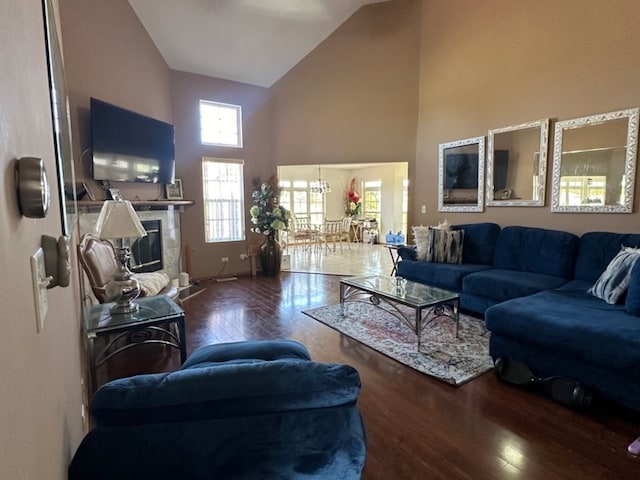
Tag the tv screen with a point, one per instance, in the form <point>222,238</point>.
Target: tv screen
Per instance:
<point>129,147</point>
<point>461,171</point>
<point>500,169</point>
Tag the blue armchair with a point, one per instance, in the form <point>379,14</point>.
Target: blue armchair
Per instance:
<point>245,410</point>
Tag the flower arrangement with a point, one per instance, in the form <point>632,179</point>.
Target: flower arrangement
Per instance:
<point>266,215</point>
<point>353,205</point>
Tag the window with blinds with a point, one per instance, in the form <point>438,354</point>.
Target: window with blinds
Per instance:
<point>223,199</point>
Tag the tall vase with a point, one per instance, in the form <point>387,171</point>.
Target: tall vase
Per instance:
<point>270,256</point>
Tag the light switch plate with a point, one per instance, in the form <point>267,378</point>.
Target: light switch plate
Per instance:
<point>40,282</point>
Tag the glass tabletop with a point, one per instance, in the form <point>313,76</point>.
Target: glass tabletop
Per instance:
<point>98,318</point>
<point>400,289</point>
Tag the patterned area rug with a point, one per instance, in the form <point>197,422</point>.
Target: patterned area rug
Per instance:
<point>442,355</point>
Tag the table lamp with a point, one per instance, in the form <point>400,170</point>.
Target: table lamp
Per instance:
<point>118,221</point>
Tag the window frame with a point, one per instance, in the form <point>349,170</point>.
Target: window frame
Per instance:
<point>238,124</point>
<point>239,211</point>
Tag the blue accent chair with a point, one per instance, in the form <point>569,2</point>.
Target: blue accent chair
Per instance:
<point>243,410</point>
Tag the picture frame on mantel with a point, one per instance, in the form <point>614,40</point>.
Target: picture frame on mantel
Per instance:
<point>174,190</point>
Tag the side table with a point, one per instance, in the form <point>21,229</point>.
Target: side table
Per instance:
<point>158,321</point>
<point>394,256</point>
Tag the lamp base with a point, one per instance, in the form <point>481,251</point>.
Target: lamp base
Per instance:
<point>123,287</point>
<point>124,308</point>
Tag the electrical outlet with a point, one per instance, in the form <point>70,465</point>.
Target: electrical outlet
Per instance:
<point>225,259</point>
<point>243,256</point>
<point>424,209</point>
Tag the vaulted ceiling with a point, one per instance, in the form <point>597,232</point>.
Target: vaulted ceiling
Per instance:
<point>248,41</point>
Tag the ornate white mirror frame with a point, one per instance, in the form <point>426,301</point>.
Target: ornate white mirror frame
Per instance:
<point>594,163</point>
<point>517,165</point>
<point>460,188</point>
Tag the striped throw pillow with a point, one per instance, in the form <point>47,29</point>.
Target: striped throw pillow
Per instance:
<point>445,246</point>
<point>614,281</point>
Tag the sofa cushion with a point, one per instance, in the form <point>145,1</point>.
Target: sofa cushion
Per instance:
<point>597,249</point>
<point>152,283</point>
<point>632,302</point>
<point>306,444</point>
<point>536,250</point>
<point>503,285</point>
<point>575,323</point>
<point>614,281</point>
<point>442,275</point>
<point>479,244</point>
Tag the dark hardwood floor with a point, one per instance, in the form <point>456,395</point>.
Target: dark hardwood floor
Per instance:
<point>417,427</point>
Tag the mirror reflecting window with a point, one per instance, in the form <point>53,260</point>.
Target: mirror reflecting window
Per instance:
<point>594,161</point>
<point>517,165</point>
<point>461,175</point>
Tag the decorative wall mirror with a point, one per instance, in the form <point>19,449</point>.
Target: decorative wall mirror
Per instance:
<point>61,122</point>
<point>517,165</point>
<point>461,175</point>
<point>594,162</point>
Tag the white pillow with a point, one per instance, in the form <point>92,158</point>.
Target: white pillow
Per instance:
<point>152,283</point>
<point>443,225</point>
<point>421,238</point>
<point>614,281</point>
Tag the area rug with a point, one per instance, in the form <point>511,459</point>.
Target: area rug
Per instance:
<point>442,355</point>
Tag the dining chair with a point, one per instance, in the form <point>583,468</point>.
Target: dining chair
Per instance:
<point>302,232</point>
<point>330,232</point>
<point>345,230</point>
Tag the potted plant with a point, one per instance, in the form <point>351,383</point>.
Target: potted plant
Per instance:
<point>268,217</point>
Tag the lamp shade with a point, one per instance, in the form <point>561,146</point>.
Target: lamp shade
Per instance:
<point>118,219</point>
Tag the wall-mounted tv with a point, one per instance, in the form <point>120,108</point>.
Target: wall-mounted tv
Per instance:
<point>130,147</point>
<point>461,171</point>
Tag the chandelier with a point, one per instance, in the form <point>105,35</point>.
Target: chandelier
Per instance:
<point>321,186</point>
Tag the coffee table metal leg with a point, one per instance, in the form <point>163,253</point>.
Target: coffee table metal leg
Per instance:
<point>456,314</point>
<point>419,325</point>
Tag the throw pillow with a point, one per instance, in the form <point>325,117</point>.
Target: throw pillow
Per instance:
<point>151,283</point>
<point>444,225</point>
<point>614,281</point>
<point>632,303</point>
<point>445,246</point>
<point>421,240</point>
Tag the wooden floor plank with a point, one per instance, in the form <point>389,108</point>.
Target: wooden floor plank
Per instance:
<point>417,427</point>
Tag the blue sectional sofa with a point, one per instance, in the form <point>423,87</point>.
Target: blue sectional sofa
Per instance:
<point>244,410</point>
<point>498,264</point>
<point>535,302</point>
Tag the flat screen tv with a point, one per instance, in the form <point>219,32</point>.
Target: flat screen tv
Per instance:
<point>461,171</point>
<point>130,147</point>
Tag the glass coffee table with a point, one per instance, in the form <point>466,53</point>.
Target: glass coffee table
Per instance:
<point>396,291</point>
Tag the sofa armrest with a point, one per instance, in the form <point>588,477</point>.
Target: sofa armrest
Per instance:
<point>230,389</point>
<point>407,253</point>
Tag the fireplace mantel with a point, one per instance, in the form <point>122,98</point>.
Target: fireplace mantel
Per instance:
<point>89,205</point>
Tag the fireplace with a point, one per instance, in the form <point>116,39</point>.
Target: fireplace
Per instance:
<point>146,252</point>
<point>161,249</point>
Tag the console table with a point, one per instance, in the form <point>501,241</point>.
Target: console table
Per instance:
<point>158,321</point>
